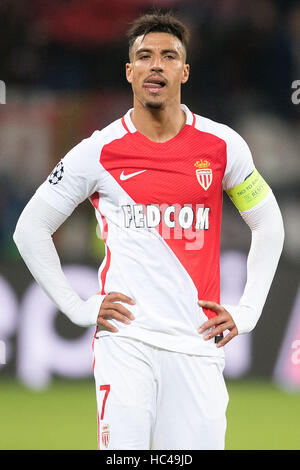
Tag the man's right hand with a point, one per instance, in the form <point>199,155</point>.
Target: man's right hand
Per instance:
<point>112,310</point>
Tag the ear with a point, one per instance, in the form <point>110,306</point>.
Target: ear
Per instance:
<point>129,72</point>
<point>185,73</point>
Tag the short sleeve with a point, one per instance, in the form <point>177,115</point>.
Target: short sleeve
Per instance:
<point>239,161</point>
<point>74,178</point>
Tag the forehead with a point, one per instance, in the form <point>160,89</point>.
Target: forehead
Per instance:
<point>158,42</point>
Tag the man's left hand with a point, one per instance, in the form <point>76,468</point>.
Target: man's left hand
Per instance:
<point>223,321</point>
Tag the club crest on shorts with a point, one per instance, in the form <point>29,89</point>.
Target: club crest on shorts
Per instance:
<point>204,173</point>
<point>105,434</point>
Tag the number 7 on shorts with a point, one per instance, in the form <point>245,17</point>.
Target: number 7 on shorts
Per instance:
<point>106,388</point>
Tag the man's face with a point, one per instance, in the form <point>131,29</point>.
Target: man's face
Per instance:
<point>157,69</point>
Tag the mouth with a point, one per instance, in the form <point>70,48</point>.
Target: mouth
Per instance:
<point>154,84</point>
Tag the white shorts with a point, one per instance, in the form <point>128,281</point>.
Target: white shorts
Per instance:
<point>151,398</point>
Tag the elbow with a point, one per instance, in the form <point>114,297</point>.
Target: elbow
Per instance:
<point>275,236</point>
<point>20,235</point>
<point>281,232</point>
<point>278,220</point>
<point>282,237</point>
<point>17,237</point>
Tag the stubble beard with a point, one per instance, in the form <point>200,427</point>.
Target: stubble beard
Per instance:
<point>154,104</point>
<point>148,103</point>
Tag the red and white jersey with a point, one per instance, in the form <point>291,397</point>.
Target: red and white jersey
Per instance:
<point>159,207</point>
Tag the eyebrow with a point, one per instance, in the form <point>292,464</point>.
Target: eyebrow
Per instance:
<point>164,51</point>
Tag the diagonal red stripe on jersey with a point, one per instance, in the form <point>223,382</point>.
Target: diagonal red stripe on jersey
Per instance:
<point>169,179</point>
<point>95,199</point>
<point>108,255</point>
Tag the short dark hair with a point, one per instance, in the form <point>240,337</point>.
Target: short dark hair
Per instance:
<point>158,23</point>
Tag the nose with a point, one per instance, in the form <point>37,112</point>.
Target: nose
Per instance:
<point>156,65</point>
<point>156,69</point>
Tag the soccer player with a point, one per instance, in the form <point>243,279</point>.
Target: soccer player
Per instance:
<point>155,178</point>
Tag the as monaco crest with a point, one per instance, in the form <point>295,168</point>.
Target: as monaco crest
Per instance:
<point>105,435</point>
<point>204,174</point>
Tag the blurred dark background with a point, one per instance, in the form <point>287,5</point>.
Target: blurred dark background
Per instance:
<point>63,64</point>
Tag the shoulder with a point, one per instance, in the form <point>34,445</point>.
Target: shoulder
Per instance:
<point>87,151</point>
<point>239,161</point>
<point>223,131</point>
<point>112,131</point>
<point>236,146</point>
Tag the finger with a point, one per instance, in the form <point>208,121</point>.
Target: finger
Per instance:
<point>111,314</point>
<point>105,325</point>
<point>115,296</point>
<point>118,308</point>
<point>207,325</point>
<point>210,323</point>
<point>217,331</point>
<point>226,339</point>
<point>211,306</point>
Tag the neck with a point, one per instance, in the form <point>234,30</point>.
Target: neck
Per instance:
<point>158,125</point>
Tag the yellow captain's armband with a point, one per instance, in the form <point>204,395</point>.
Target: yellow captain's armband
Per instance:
<point>249,193</point>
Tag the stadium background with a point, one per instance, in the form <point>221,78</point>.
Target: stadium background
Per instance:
<point>63,64</point>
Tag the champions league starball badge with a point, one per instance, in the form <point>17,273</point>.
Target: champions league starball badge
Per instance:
<point>57,173</point>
